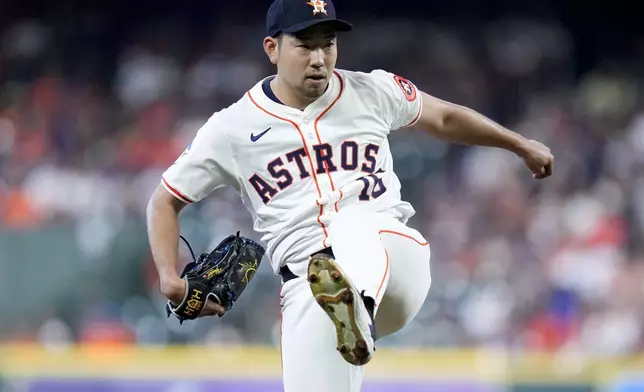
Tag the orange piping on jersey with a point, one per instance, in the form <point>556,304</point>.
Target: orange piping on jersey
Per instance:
<point>306,150</point>
<point>176,193</point>
<point>382,282</point>
<point>341,196</point>
<point>317,133</point>
<point>404,235</point>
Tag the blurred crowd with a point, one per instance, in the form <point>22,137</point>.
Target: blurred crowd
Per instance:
<point>516,263</point>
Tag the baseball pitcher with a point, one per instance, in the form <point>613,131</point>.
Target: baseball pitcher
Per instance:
<point>307,151</point>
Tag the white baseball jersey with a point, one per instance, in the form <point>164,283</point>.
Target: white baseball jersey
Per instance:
<point>281,160</point>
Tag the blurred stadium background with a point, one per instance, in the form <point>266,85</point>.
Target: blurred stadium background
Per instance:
<point>537,286</point>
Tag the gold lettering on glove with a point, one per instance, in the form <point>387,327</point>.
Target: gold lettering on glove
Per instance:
<point>212,273</point>
<point>251,268</point>
<point>194,303</point>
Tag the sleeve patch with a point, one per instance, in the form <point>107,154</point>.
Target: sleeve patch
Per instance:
<point>407,88</point>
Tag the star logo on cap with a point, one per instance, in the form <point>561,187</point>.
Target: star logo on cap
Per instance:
<point>318,6</point>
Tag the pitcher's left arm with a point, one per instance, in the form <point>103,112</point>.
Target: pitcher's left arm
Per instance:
<point>458,124</point>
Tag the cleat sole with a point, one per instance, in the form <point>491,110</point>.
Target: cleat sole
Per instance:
<point>334,293</point>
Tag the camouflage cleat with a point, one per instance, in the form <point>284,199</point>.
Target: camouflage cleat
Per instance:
<point>337,296</point>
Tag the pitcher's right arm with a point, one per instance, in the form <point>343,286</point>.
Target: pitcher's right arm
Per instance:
<point>192,177</point>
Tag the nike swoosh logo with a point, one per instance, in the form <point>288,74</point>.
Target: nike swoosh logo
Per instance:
<point>254,138</point>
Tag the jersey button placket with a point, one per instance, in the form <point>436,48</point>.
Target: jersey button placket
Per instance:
<point>309,130</point>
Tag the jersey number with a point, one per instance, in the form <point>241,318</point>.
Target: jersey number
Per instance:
<point>376,191</point>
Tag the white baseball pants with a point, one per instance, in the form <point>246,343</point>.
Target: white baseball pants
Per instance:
<point>383,257</point>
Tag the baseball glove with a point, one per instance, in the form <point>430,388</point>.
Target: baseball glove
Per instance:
<point>221,275</point>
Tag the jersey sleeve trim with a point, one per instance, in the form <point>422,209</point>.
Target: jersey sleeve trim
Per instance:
<point>420,111</point>
<point>175,192</point>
